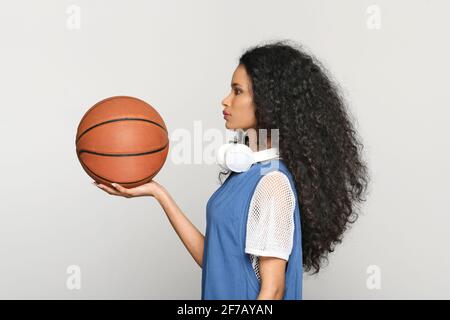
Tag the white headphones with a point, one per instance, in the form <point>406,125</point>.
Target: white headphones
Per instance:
<point>238,157</point>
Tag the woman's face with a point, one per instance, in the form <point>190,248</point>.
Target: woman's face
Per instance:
<point>239,103</point>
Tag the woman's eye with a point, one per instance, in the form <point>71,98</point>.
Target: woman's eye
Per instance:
<point>237,91</point>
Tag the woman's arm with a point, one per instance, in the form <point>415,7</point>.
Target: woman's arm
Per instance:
<point>192,239</point>
<point>271,214</point>
<point>272,272</point>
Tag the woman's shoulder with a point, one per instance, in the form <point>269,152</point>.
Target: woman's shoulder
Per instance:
<point>275,182</point>
<point>275,172</point>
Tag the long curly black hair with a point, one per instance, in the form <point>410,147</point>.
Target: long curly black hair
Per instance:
<point>294,93</point>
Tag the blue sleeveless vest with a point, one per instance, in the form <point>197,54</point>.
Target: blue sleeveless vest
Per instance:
<point>227,272</point>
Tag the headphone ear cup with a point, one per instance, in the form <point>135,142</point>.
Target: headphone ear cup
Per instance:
<point>239,158</point>
<point>220,155</point>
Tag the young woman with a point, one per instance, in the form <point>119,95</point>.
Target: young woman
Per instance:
<point>269,224</point>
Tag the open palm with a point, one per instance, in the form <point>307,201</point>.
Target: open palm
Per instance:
<point>149,189</point>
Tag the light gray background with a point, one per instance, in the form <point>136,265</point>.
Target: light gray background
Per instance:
<point>179,56</point>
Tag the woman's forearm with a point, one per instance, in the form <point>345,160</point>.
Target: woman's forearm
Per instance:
<point>191,237</point>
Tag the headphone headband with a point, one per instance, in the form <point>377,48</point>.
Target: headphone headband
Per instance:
<point>267,154</point>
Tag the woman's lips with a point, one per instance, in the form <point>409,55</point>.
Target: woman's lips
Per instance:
<point>226,114</point>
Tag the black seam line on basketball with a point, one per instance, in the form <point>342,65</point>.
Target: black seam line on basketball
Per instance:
<point>122,154</point>
<point>121,183</point>
<point>115,120</point>
<point>107,99</point>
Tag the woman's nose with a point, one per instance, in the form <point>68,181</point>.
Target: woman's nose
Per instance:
<point>225,101</point>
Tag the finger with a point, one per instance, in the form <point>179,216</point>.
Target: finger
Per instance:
<point>121,189</point>
<point>108,190</point>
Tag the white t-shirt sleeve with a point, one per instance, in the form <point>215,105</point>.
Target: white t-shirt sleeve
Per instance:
<point>270,223</point>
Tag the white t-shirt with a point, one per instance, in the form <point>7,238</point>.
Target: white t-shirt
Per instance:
<point>270,223</point>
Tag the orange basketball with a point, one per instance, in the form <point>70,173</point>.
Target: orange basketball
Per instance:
<point>123,140</point>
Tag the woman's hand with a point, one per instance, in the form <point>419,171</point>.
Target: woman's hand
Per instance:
<point>152,189</point>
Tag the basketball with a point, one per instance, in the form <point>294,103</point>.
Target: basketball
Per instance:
<point>122,140</point>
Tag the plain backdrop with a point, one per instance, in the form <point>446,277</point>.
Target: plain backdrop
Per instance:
<point>179,56</point>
